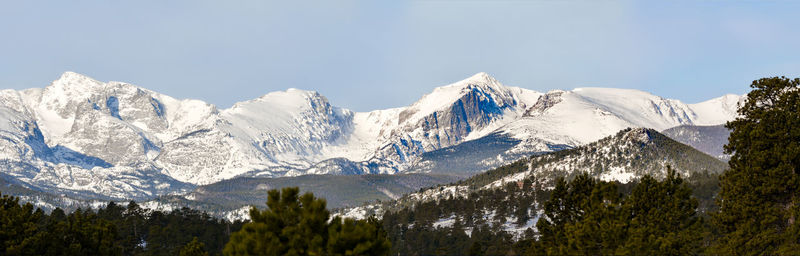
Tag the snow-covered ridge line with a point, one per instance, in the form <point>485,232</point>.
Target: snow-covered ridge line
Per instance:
<point>122,141</point>
<point>625,156</point>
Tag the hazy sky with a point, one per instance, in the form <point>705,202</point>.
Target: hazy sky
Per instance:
<point>366,55</point>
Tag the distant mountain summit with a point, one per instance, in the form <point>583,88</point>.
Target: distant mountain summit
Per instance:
<point>709,139</point>
<point>113,140</point>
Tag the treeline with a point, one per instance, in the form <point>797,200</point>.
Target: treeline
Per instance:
<point>112,230</point>
<point>293,224</point>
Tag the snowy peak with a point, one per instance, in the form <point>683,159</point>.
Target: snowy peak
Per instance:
<point>480,86</point>
<point>646,110</point>
<point>639,107</point>
<point>482,81</point>
<point>718,110</point>
<point>290,99</point>
<point>452,114</point>
<point>286,111</point>
<point>72,79</point>
<point>481,76</point>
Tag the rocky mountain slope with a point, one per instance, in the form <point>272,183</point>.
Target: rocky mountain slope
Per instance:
<point>709,139</point>
<point>629,154</point>
<point>113,140</point>
<point>510,198</point>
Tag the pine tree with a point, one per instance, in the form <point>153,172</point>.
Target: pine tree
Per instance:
<point>298,225</point>
<point>760,193</point>
<point>18,226</point>
<point>362,237</point>
<point>590,217</point>
<point>661,218</point>
<point>194,248</point>
<point>579,218</point>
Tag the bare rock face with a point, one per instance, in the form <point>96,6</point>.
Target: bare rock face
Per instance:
<point>459,110</point>
<point>545,102</point>
<point>196,156</point>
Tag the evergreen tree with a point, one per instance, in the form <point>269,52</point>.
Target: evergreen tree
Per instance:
<point>18,226</point>
<point>298,225</point>
<point>25,231</point>
<point>579,218</point>
<point>590,217</point>
<point>362,237</point>
<point>194,248</point>
<point>661,218</point>
<point>760,194</point>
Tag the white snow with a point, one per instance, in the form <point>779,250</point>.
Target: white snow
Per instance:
<point>718,110</point>
<point>618,174</point>
<point>584,115</point>
<point>146,135</point>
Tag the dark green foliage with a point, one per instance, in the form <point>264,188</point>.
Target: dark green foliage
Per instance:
<point>298,225</point>
<point>412,231</point>
<point>25,231</point>
<point>18,226</point>
<point>194,248</point>
<point>760,194</point>
<point>661,218</point>
<point>167,233</point>
<point>291,226</point>
<point>590,217</point>
<point>351,237</point>
<point>705,187</point>
<point>113,230</point>
<point>580,218</point>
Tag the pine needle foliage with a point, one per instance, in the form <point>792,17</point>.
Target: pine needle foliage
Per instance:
<point>297,224</point>
<point>760,195</point>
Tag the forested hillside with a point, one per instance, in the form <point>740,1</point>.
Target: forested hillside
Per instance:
<point>110,230</point>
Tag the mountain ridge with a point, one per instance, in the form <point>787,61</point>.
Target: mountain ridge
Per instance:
<point>623,157</point>
<point>80,134</point>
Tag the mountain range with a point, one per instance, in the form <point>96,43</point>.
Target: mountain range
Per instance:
<point>83,138</point>
<point>511,197</point>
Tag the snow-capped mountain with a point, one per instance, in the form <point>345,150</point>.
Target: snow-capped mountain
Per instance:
<point>448,116</point>
<point>117,140</point>
<point>584,115</point>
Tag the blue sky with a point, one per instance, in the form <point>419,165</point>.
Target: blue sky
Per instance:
<point>367,55</point>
